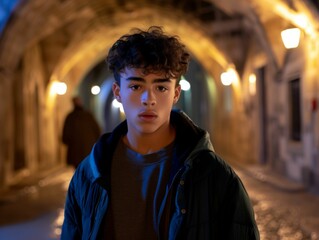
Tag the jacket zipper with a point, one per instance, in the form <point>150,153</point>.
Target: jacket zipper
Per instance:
<point>164,205</point>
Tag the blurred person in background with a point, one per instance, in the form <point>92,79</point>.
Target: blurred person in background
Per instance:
<point>80,132</point>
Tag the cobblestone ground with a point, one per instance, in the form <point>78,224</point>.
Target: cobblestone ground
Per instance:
<point>275,224</point>
<point>38,214</point>
<point>279,213</point>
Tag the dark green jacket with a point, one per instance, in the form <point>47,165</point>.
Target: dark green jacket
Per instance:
<point>205,198</point>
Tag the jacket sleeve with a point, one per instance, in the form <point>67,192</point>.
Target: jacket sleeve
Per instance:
<point>237,211</point>
<point>71,228</point>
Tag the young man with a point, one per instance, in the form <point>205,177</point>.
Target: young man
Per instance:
<point>156,176</point>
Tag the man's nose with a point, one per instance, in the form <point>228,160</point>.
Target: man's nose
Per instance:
<point>148,98</point>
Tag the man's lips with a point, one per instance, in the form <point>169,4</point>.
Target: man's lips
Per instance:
<point>147,115</point>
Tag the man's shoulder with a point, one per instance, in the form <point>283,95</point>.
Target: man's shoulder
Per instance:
<point>93,165</point>
<point>211,162</point>
<point>83,173</point>
<point>212,158</point>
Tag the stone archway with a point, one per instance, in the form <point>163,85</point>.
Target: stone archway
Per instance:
<point>72,36</point>
<point>68,57</point>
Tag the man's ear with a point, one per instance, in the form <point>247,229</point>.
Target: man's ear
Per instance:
<point>178,90</point>
<point>116,91</point>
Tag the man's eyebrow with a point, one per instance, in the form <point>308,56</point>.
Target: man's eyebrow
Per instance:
<point>160,80</point>
<point>140,79</point>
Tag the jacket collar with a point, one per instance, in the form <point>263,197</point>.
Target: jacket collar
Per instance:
<point>190,139</point>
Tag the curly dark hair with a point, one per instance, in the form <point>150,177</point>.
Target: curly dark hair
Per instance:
<point>152,50</point>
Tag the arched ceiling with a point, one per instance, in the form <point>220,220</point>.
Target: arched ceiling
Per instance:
<point>75,34</point>
<point>91,46</point>
<point>85,29</point>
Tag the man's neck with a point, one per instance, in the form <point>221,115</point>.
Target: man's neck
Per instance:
<point>149,143</point>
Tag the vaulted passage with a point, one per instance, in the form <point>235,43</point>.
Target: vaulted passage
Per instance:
<point>45,42</point>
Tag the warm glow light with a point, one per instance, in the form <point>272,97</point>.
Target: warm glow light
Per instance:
<point>252,84</point>
<point>185,85</point>
<point>301,21</point>
<point>117,104</point>
<point>59,88</point>
<point>298,19</point>
<point>229,77</point>
<point>95,90</point>
<point>291,37</point>
<point>226,80</point>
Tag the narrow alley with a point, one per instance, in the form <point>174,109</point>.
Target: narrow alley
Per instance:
<point>34,210</point>
<point>252,83</point>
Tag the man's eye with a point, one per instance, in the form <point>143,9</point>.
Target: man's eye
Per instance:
<point>162,88</point>
<point>135,87</point>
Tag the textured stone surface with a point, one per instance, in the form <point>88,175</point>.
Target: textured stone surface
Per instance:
<point>62,40</point>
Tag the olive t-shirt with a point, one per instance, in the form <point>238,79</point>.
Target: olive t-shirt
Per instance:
<point>138,186</point>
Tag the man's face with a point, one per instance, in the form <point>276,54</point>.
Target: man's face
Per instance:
<point>147,100</point>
